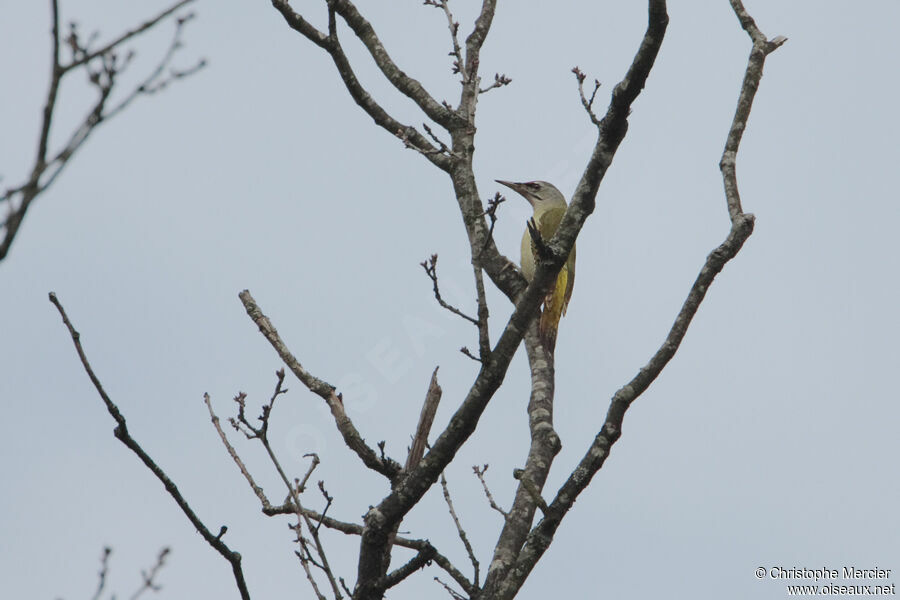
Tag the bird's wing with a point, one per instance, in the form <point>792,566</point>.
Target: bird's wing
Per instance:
<point>549,223</point>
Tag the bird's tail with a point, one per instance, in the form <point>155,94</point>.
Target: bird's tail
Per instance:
<point>554,309</point>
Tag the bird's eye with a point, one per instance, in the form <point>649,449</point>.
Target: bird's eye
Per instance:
<point>533,185</point>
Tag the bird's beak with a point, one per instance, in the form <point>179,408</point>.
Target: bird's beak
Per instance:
<point>517,187</point>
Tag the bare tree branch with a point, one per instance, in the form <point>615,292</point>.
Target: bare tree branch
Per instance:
<point>459,529</point>
<point>354,529</point>
<point>545,445</point>
<point>479,472</point>
<point>479,34</point>
<point>484,335</point>
<point>761,49</point>
<point>430,267</point>
<point>304,563</point>
<point>331,44</point>
<point>408,86</point>
<point>588,104</point>
<point>500,80</point>
<point>56,74</point>
<point>458,63</point>
<point>103,50</point>
<point>104,80</point>
<point>303,519</point>
<point>104,570</point>
<point>419,441</point>
<point>149,577</point>
<point>389,468</point>
<point>426,419</point>
<point>121,433</point>
<point>453,593</point>
<point>294,490</point>
<point>102,67</point>
<point>301,486</point>
<point>234,455</point>
<point>415,563</point>
<point>154,82</point>
<point>749,25</point>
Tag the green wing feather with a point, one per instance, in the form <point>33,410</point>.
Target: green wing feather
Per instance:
<point>557,300</point>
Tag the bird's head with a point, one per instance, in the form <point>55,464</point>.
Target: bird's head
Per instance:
<point>540,194</point>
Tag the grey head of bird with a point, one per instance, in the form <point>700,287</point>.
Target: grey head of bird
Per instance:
<point>540,194</point>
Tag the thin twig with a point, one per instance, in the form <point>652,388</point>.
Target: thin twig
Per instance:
<point>587,103</point>
<point>467,352</point>
<point>152,83</point>
<point>301,485</point>
<point>328,500</point>
<point>234,455</point>
<point>430,266</point>
<point>345,588</point>
<point>453,593</point>
<point>459,529</point>
<point>304,563</point>
<point>491,212</point>
<point>261,433</point>
<point>87,57</point>
<point>484,334</point>
<point>500,80</point>
<point>104,570</point>
<point>149,577</point>
<point>442,147</point>
<point>320,550</point>
<point>479,472</point>
<point>456,53</point>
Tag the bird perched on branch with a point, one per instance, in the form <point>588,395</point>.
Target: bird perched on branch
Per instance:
<point>549,207</point>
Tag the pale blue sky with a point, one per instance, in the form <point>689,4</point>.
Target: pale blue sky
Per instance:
<point>770,440</point>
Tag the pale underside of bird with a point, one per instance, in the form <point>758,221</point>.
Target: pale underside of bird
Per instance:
<point>549,206</point>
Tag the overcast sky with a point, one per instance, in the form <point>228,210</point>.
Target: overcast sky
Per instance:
<point>769,441</point>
